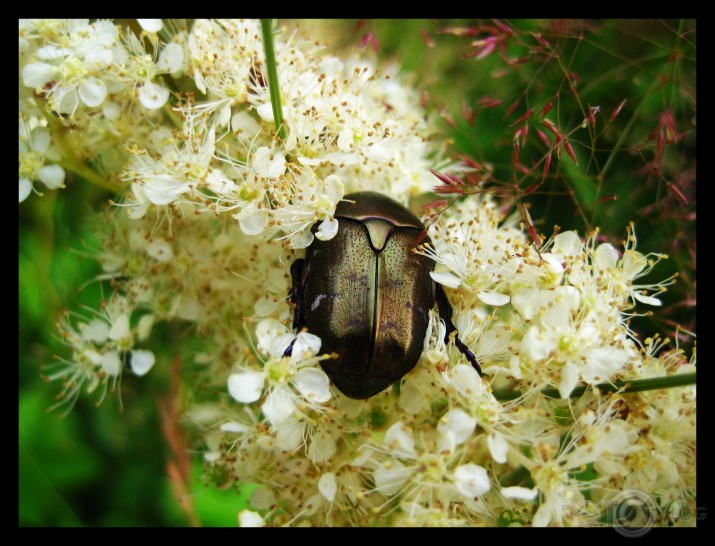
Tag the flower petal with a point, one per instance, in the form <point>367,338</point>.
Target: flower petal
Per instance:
<point>160,250</point>
<point>269,162</point>
<point>151,25</point>
<point>246,386</point>
<point>142,361</point>
<point>459,423</point>
<point>566,245</point>
<point>265,111</point>
<point>648,300</point>
<point>520,493</point>
<point>144,327</point>
<point>278,407</point>
<point>602,363</point>
<point>262,498</point>
<point>120,327</point>
<point>494,298</point>
<point>305,346</point>
<point>97,331</point>
<point>52,176</point>
<point>92,92</point>
<point>249,518</point>
<point>471,480</point>
<point>111,363</point>
<point>388,481</point>
<point>569,377</point>
<point>398,439</point>
<point>537,345</point>
<point>302,239</point>
<point>313,385</point>
<point>289,435</point>
<point>345,139</point>
<point>327,229</point>
<point>322,448</point>
<point>273,337</point>
<point>234,426</point>
<point>445,278</point>
<point>465,380</point>
<point>36,75</point>
<point>255,223</point>
<point>25,189</point>
<point>605,256</point>
<point>153,96</point>
<point>327,486</point>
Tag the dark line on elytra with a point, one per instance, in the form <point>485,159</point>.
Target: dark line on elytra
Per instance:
<point>375,290</point>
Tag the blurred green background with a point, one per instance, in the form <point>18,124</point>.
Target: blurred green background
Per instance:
<point>110,466</point>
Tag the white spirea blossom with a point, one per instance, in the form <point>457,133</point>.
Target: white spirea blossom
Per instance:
<point>217,208</point>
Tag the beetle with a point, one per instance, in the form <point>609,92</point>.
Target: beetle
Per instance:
<point>367,295</point>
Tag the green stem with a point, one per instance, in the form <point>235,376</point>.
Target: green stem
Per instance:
<point>77,167</point>
<point>636,385</point>
<point>273,85</point>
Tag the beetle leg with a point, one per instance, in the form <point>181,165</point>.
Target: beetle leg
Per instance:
<point>296,297</point>
<point>445,312</point>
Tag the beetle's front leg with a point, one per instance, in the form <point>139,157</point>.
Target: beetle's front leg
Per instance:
<point>296,297</point>
<point>445,313</point>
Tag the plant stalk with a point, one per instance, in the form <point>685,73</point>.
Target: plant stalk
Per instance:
<point>273,85</point>
<point>636,385</point>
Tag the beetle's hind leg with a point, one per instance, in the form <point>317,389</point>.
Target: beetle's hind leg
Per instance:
<point>296,297</point>
<point>445,313</point>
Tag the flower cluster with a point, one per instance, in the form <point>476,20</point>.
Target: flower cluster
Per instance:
<point>219,207</point>
<point>84,90</point>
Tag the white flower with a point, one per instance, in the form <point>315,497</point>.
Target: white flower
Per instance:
<point>494,298</point>
<point>569,378</point>
<point>465,380</point>
<point>327,229</point>
<point>153,96</point>
<point>471,480</point>
<point>246,386</point>
<point>445,278</point>
<point>327,486</point>
<point>457,423</point>
<point>95,330</point>
<point>142,361</point>
<point>269,163</point>
<point>151,25</point>
<point>52,176</point>
<point>160,250</point>
<point>249,518</point>
<point>312,384</point>
<point>36,75</point>
<point>172,59</point>
<point>111,363</point>
<point>252,220</point>
<point>273,337</point>
<point>602,363</point>
<point>119,327</point>
<point>520,493</point>
<point>567,245</point>
<point>279,406</point>
<point>389,480</point>
<point>25,189</point>
<point>322,448</point>
<point>305,346</point>
<point>399,439</point>
<point>35,149</point>
<point>498,447</point>
<point>92,92</point>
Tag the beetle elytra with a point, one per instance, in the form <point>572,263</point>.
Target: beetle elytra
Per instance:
<point>367,295</point>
